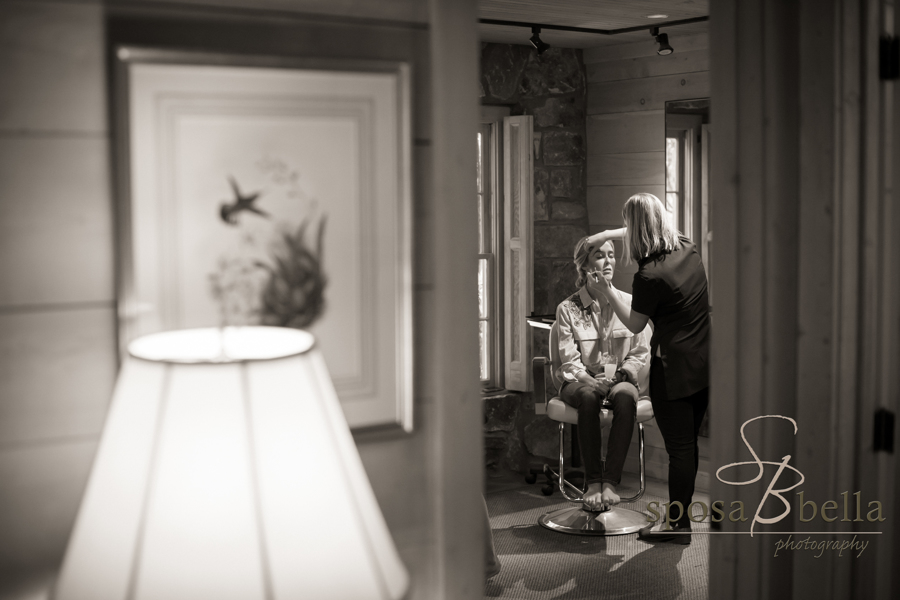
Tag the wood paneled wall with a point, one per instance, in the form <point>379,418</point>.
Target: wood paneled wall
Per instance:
<point>57,311</point>
<point>628,87</point>
<point>806,284</point>
<point>57,298</point>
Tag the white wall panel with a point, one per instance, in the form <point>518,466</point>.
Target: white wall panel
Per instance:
<point>51,63</point>
<point>56,236</point>
<point>57,370</point>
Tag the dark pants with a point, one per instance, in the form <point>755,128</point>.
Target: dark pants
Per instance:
<point>623,399</point>
<point>679,421</point>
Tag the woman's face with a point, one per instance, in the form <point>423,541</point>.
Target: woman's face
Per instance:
<point>602,260</point>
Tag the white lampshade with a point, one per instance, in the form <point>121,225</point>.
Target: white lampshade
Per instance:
<point>224,458</point>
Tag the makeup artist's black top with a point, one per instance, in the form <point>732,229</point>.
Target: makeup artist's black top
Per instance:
<point>671,288</point>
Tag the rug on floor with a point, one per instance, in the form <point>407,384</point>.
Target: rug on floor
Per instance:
<point>539,564</point>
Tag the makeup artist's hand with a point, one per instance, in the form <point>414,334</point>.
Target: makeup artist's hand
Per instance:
<point>598,283</point>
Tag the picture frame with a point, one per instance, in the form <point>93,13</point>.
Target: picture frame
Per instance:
<point>274,191</point>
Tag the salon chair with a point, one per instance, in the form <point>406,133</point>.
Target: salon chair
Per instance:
<point>576,519</point>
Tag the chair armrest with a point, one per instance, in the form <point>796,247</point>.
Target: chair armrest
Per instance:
<point>539,370</point>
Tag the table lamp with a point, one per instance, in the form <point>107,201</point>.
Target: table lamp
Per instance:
<point>224,459</point>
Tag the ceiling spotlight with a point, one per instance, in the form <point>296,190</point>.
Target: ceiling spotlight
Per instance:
<point>664,47</point>
<point>537,42</point>
<point>663,40</point>
<point>657,16</point>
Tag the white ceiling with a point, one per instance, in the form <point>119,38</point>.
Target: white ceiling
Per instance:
<point>593,14</point>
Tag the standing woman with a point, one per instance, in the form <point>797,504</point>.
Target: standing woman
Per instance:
<point>670,288</point>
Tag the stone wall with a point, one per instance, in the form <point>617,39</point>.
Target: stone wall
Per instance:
<point>552,88</point>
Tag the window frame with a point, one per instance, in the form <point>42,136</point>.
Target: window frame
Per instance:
<point>492,194</point>
<point>687,129</point>
<point>693,213</point>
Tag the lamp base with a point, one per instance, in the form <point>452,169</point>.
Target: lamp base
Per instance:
<point>577,521</point>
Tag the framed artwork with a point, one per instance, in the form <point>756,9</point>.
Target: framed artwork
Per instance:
<point>274,191</point>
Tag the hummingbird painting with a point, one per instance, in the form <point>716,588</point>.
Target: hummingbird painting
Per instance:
<point>229,212</point>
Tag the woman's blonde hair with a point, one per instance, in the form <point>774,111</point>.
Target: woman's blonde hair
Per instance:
<point>582,251</point>
<point>648,227</point>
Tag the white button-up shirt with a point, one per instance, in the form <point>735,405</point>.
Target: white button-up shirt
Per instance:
<point>591,335</point>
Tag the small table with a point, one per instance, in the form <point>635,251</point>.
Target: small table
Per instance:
<point>541,321</point>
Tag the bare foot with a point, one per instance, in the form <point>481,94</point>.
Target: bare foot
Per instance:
<point>609,497</point>
<point>593,497</point>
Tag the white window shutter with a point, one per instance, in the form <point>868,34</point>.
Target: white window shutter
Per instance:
<point>518,227</point>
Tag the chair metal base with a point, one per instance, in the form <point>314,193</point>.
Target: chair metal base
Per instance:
<point>577,521</point>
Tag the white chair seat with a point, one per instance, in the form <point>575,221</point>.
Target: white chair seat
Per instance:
<point>559,411</point>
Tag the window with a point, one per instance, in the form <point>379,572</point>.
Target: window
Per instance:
<point>674,185</point>
<point>490,255</point>
<point>687,175</point>
<point>505,226</point>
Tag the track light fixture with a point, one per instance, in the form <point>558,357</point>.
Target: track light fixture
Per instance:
<point>537,42</point>
<point>590,30</point>
<point>663,40</point>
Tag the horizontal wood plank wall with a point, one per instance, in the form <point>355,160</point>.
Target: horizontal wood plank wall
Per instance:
<point>57,310</point>
<point>628,87</point>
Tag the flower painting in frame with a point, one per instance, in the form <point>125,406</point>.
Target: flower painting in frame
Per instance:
<point>271,191</point>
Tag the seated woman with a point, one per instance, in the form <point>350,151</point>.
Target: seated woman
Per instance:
<point>591,336</point>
